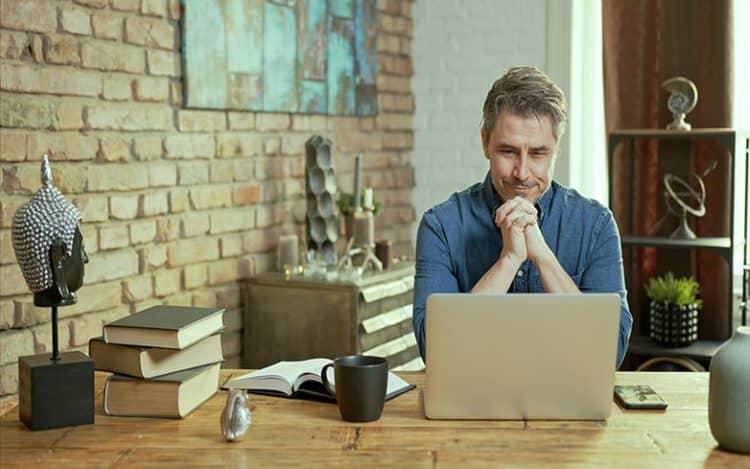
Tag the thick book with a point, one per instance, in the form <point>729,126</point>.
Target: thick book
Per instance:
<point>174,395</point>
<point>164,326</point>
<point>302,379</point>
<point>147,362</point>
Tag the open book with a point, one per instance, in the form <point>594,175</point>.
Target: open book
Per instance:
<point>302,379</point>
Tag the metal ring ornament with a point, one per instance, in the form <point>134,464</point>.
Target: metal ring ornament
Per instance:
<point>699,197</point>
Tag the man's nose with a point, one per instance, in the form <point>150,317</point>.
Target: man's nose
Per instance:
<point>521,170</point>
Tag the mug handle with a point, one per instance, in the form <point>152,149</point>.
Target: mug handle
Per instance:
<point>326,383</point>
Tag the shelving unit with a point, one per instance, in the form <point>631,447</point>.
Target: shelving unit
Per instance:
<point>738,145</point>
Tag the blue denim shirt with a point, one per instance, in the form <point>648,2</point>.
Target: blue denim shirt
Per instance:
<point>457,242</point>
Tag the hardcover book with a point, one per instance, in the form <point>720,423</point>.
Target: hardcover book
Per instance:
<point>302,379</point>
<point>174,327</point>
<point>174,395</point>
<point>147,362</point>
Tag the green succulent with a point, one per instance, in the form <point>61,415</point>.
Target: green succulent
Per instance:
<point>345,202</point>
<point>670,289</point>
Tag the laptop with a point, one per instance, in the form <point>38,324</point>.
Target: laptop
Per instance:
<point>521,356</point>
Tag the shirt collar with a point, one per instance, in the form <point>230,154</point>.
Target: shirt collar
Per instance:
<point>493,201</point>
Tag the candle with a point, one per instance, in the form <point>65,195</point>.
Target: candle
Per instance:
<point>367,204</point>
<point>357,188</point>
<point>364,229</point>
<point>287,253</point>
<point>383,252</point>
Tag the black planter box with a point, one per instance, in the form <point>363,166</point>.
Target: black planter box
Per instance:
<point>672,325</point>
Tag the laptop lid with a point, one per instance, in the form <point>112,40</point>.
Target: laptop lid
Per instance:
<point>521,356</point>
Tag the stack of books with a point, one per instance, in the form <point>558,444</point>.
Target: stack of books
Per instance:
<point>166,360</point>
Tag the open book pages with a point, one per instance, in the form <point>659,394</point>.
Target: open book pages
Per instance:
<point>290,377</point>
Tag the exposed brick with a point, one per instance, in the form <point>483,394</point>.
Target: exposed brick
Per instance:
<point>175,93</point>
<point>166,282</point>
<point>24,111</point>
<point>30,79</point>
<point>90,237</point>
<point>396,84</point>
<point>246,195</point>
<point>108,56</point>
<point>112,265</point>
<point>151,89</point>
<point>193,172</point>
<point>223,271</point>
<point>154,203</point>
<point>149,32</point>
<point>201,121</point>
<point>272,146</point>
<point>174,9</point>
<point>167,229</point>
<point>12,145</point>
<point>9,379</point>
<point>62,49</point>
<point>94,298</point>
<point>236,219</point>
<point>229,297</point>
<point>117,87</point>
<point>341,123</point>
<point>162,174</point>
<point>142,231</point>
<point>161,62</point>
<point>93,208</point>
<point>189,146</point>
<point>231,245</point>
<point>195,224</point>
<point>90,325</point>
<point>206,299</point>
<point>70,179</point>
<point>202,198</point>
<point>148,148</point>
<point>117,177</point>
<point>115,149</point>
<point>141,305</point>
<point>7,255</point>
<point>398,141</point>
<point>69,115</point>
<point>154,8</point>
<point>62,146</point>
<point>129,117</point>
<point>241,120</point>
<point>43,337</point>
<point>232,145</point>
<point>75,20</point>
<point>7,314</point>
<point>138,288</point>
<point>394,121</point>
<point>125,5</point>
<point>92,3</point>
<point>293,144</point>
<point>222,171</point>
<point>269,214</point>
<point>107,25</point>
<point>192,251</point>
<point>29,15</point>
<point>9,205</point>
<point>123,207</point>
<point>244,169</point>
<point>20,179</point>
<point>196,275</point>
<point>28,315</point>
<point>155,257</point>
<point>268,121</point>
<point>15,343</point>
<point>300,122</point>
<point>113,236</point>
<point>178,200</point>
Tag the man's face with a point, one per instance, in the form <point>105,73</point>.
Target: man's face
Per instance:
<point>521,151</point>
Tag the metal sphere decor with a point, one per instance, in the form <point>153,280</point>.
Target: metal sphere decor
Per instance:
<point>685,196</point>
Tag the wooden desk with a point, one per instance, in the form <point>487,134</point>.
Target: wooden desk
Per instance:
<point>293,432</point>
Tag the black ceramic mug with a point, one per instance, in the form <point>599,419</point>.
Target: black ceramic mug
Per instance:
<point>360,387</point>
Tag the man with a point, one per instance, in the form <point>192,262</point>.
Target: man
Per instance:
<point>519,231</point>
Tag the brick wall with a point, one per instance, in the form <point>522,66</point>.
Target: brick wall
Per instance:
<point>460,48</point>
<point>177,204</point>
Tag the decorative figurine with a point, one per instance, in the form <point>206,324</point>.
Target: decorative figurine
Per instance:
<point>235,418</point>
<point>320,182</point>
<point>683,98</point>
<point>55,390</point>
<point>682,198</point>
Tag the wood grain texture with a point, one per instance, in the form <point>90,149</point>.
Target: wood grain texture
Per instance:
<point>289,432</point>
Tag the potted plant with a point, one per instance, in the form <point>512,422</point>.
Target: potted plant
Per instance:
<point>674,310</point>
<point>345,203</point>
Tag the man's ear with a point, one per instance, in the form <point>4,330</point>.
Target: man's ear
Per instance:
<point>483,135</point>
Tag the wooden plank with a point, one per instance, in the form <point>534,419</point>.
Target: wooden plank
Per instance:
<point>311,39</point>
<point>204,54</point>
<point>313,98</point>
<point>340,73</point>
<point>279,59</point>
<point>342,8</point>
<point>366,57</point>
<point>244,36</point>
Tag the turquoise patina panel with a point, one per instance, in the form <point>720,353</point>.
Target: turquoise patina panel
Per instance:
<point>311,56</point>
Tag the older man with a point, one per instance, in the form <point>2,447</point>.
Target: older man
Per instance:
<point>519,231</point>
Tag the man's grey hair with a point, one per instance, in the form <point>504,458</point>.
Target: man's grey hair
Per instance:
<point>526,92</point>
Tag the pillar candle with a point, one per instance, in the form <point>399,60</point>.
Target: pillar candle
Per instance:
<point>368,203</point>
<point>357,188</point>
<point>287,252</point>
<point>364,229</point>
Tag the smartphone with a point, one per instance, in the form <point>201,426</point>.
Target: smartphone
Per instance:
<point>639,397</point>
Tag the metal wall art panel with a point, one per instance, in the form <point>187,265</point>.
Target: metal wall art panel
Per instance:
<point>302,56</point>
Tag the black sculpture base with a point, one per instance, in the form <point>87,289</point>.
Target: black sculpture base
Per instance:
<point>55,393</point>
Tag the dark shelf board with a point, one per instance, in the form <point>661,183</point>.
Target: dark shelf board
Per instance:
<point>721,243</point>
<point>700,349</point>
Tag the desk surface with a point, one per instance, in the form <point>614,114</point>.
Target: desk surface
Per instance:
<point>288,432</point>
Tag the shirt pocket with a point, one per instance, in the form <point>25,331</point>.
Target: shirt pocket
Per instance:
<point>537,286</point>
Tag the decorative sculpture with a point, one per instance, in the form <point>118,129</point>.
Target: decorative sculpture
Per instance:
<point>320,181</point>
<point>682,100</point>
<point>236,417</point>
<point>49,248</point>
<point>682,197</point>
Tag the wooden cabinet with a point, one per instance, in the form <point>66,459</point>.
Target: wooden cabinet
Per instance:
<point>296,317</point>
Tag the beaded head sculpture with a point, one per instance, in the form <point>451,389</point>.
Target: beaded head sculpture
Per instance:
<point>48,244</point>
